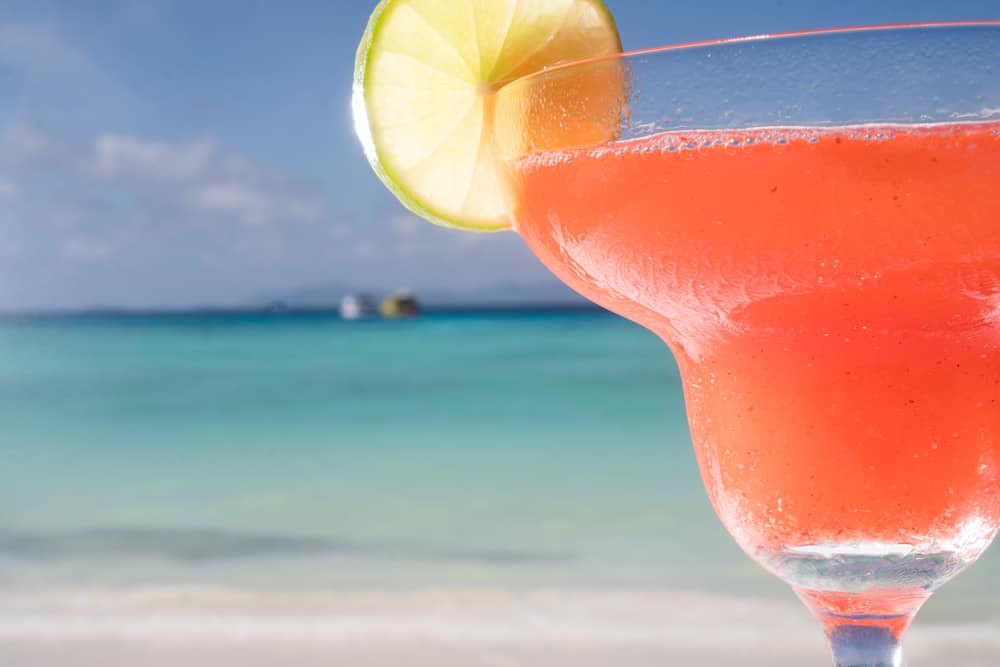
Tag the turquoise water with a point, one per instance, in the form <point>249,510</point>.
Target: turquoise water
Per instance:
<point>304,451</point>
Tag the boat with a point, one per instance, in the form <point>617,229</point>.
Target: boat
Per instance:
<point>357,307</point>
<point>399,304</point>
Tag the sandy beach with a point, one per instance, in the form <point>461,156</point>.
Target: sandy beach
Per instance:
<point>465,628</point>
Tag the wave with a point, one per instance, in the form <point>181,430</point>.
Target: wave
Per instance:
<point>195,545</point>
<point>711,629</point>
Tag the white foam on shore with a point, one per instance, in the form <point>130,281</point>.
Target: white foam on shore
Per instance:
<point>680,621</point>
<point>443,616</point>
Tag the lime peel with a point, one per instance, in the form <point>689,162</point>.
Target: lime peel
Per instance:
<point>424,83</point>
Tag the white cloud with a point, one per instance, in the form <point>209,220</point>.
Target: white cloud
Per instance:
<point>21,143</point>
<point>406,226</point>
<point>195,172</point>
<point>340,231</point>
<point>9,249</point>
<point>53,67</point>
<point>87,249</point>
<point>415,237</point>
<point>8,189</point>
<point>260,247</point>
<point>124,156</point>
<point>364,250</point>
<point>65,219</point>
<point>40,45</point>
<point>254,207</point>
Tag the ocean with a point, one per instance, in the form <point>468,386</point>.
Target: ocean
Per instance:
<point>301,453</point>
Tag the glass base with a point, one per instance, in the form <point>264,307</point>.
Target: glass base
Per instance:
<point>862,567</point>
<point>865,594</point>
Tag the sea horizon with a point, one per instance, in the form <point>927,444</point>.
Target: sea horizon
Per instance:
<point>333,310</point>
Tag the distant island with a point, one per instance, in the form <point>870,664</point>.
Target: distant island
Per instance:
<point>500,296</point>
<point>328,298</point>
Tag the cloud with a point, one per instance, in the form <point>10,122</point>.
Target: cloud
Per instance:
<point>414,237</point>
<point>364,250</point>
<point>87,249</point>
<point>39,44</point>
<point>124,156</point>
<point>254,207</point>
<point>339,231</point>
<point>406,226</point>
<point>261,246</point>
<point>10,249</point>
<point>8,189</point>
<point>196,172</point>
<point>62,218</point>
<point>49,68</point>
<point>21,143</point>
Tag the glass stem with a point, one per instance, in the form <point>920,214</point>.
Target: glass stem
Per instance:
<point>865,629</point>
<point>865,646</point>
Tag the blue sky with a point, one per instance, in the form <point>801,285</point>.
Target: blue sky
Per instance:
<point>170,153</point>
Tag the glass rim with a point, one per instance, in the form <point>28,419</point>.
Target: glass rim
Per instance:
<point>877,75</point>
<point>754,38</point>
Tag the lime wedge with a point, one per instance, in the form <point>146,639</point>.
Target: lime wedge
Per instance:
<point>423,84</point>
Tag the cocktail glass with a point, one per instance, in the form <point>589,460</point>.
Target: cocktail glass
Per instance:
<point>812,224</point>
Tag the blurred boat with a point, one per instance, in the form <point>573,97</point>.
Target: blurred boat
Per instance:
<point>399,304</point>
<point>357,307</point>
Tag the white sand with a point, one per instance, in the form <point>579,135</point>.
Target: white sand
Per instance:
<point>439,629</point>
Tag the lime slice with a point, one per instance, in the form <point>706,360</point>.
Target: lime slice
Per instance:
<point>423,99</point>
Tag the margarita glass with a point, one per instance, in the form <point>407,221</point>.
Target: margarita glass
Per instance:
<point>812,224</point>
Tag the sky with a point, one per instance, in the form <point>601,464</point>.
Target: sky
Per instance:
<point>176,153</point>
